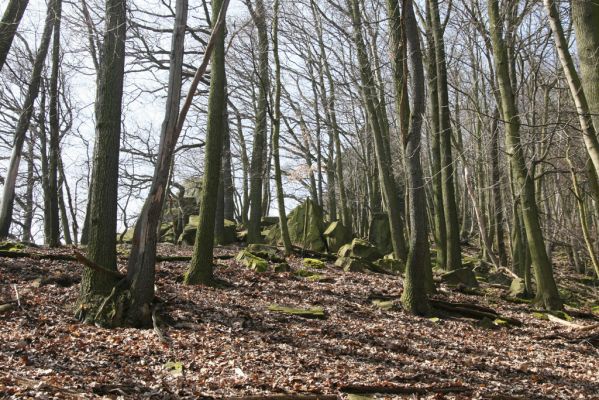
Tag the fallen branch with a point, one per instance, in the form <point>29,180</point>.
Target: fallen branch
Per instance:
<point>473,311</point>
<point>92,265</point>
<point>572,325</point>
<point>7,307</point>
<point>288,397</point>
<point>361,389</point>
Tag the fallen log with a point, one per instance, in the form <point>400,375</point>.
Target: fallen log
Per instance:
<point>473,311</point>
<point>288,397</point>
<point>383,389</point>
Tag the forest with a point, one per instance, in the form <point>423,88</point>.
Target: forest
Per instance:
<point>299,199</point>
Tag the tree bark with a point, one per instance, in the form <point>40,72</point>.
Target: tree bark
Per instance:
<point>200,270</point>
<point>8,193</point>
<point>547,293</point>
<point>8,26</point>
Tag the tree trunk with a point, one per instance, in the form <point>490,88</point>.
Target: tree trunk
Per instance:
<point>577,90</point>
<point>547,293</point>
<point>585,16</point>
<point>200,270</point>
<point>260,132</point>
<point>414,296</point>
<point>101,247</point>
<point>276,132</point>
<point>452,226</point>
<point>389,186</point>
<point>53,238</point>
<point>8,194</point>
<point>8,26</point>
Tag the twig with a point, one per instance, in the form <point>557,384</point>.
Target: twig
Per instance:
<point>17,295</point>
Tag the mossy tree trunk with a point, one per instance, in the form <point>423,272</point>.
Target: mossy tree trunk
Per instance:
<point>388,184</point>
<point>585,16</point>
<point>435,137</point>
<point>8,26</point>
<point>261,128</point>
<point>276,133</point>
<point>200,269</point>
<point>452,226</point>
<point>10,181</point>
<point>591,72</point>
<point>102,214</point>
<point>414,297</point>
<point>547,293</point>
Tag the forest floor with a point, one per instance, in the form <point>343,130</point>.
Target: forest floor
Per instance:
<point>225,343</point>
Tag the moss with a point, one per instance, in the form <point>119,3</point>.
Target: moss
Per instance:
<point>595,310</point>
<point>501,323</point>
<point>304,273</point>
<point>540,315</point>
<point>312,312</point>
<point>252,261</point>
<point>313,263</point>
<point>385,305</point>
<point>12,246</point>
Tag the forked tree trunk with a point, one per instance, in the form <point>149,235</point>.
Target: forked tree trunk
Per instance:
<point>547,293</point>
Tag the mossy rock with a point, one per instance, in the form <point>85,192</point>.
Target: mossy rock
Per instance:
<point>379,233</point>
<point>351,264</point>
<point>269,221</point>
<point>365,250</point>
<point>281,267</point>
<point>391,266</point>
<point>595,310</point>
<point>167,234</point>
<point>499,278</point>
<point>319,278</point>
<point>12,246</point>
<point>305,273</point>
<point>193,188</point>
<point>313,263</point>
<point>502,323</point>
<point>242,235</point>
<point>461,276</point>
<point>310,238</point>
<point>336,236</point>
<point>517,288</point>
<point>344,251</point>
<point>188,236</point>
<point>252,261</point>
<point>229,232</point>
<point>312,312</point>
<point>263,251</point>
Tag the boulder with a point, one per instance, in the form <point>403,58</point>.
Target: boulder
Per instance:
<point>252,261</point>
<point>379,233</point>
<point>365,250</point>
<point>499,278</point>
<point>313,263</point>
<point>264,251</point>
<point>167,234</point>
<point>306,228</point>
<point>518,288</point>
<point>269,221</point>
<point>336,236</point>
<point>230,232</point>
<point>351,264</point>
<point>345,250</point>
<point>461,276</point>
<point>390,265</point>
<point>281,267</point>
<point>188,236</point>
